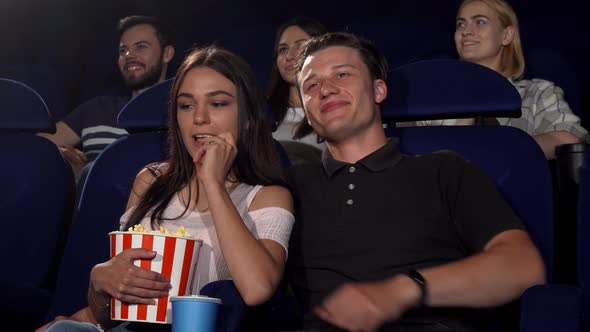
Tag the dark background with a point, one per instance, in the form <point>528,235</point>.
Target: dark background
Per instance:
<point>67,49</point>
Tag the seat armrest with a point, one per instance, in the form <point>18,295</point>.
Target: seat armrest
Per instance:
<point>551,307</point>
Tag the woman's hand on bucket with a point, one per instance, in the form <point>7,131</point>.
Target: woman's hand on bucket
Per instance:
<point>121,279</point>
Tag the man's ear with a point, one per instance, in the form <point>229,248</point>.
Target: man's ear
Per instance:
<point>168,53</point>
<point>508,36</point>
<point>380,90</point>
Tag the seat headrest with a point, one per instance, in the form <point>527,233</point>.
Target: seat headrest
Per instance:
<point>147,111</point>
<point>23,109</point>
<point>448,89</point>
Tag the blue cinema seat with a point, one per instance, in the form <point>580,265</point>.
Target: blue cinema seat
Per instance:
<point>36,202</point>
<point>50,81</point>
<point>447,89</point>
<point>105,194</point>
<point>583,255</point>
<point>518,168</point>
<point>511,158</point>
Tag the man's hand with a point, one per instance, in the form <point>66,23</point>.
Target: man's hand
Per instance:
<point>367,306</point>
<point>75,157</point>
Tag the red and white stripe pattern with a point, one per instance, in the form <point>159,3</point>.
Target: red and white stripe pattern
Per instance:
<point>176,258</point>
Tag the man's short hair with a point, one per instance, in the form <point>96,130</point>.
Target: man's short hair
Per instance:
<point>165,36</point>
<point>371,55</point>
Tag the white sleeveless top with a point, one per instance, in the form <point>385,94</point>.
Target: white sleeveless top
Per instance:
<point>287,128</point>
<point>271,223</point>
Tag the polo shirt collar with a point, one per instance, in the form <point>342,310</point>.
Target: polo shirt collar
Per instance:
<point>385,157</point>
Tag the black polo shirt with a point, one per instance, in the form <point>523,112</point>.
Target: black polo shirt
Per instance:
<point>384,215</point>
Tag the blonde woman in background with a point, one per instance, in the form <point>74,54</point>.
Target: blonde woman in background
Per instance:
<point>487,34</point>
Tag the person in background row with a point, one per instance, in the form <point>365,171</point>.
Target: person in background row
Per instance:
<point>487,33</point>
<point>145,50</point>
<point>222,182</point>
<point>293,131</point>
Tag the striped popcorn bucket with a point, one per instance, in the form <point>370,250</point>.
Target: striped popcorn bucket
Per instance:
<point>176,258</point>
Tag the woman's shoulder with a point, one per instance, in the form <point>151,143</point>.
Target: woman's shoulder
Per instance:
<point>533,84</point>
<point>272,196</point>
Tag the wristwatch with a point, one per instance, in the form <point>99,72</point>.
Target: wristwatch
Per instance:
<point>421,282</point>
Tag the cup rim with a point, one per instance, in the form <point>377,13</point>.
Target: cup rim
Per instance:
<point>195,298</point>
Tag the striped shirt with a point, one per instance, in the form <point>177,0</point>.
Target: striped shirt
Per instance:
<point>95,122</point>
<point>95,139</point>
<point>544,109</point>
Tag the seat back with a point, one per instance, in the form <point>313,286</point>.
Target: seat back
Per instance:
<point>37,183</point>
<point>36,201</point>
<point>511,158</point>
<point>445,89</point>
<point>517,166</point>
<point>148,111</point>
<point>549,308</point>
<point>233,307</point>
<point>49,80</point>
<point>448,89</point>
<point>583,255</point>
<point>23,109</point>
<point>106,190</point>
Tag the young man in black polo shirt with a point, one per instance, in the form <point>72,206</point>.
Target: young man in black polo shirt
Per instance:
<point>384,241</point>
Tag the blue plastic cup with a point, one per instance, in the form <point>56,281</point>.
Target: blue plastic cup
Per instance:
<point>194,313</point>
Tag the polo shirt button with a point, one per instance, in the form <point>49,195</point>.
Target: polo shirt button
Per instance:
<point>352,169</point>
<point>349,202</point>
<point>351,186</point>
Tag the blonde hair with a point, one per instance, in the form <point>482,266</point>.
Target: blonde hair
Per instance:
<point>513,57</point>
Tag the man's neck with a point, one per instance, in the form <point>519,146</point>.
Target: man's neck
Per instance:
<point>356,148</point>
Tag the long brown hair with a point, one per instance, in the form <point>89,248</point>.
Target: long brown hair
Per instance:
<point>256,163</point>
<point>278,89</point>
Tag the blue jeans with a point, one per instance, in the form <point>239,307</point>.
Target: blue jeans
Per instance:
<point>74,326</point>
